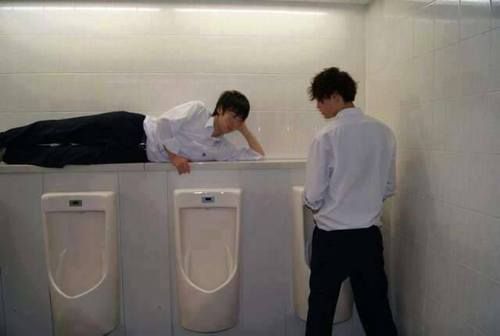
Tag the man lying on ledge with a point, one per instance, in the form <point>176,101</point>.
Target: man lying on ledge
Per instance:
<point>187,132</point>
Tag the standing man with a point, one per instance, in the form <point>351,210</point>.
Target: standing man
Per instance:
<point>350,172</point>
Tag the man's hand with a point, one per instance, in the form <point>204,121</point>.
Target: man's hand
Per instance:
<point>252,141</point>
<point>181,163</point>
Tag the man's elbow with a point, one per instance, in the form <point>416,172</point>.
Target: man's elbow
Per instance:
<point>314,206</point>
<point>389,193</point>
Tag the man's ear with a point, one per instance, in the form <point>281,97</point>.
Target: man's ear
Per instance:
<point>220,111</point>
<point>336,97</point>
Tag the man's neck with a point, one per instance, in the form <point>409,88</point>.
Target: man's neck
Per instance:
<point>348,105</point>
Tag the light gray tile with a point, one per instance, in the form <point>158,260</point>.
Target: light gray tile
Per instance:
<point>490,196</point>
<point>489,246</point>
<point>79,182</point>
<point>446,15</point>
<point>491,123</point>
<point>447,78</point>
<point>489,306</point>
<point>494,69</point>
<point>474,17</point>
<point>24,275</point>
<point>145,253</point>
<point>474,59</point>
<point>423,30</point>
<point>495,13</point>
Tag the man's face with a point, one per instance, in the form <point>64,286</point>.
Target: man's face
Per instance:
<point>228,121</point>
<point>329,107</point>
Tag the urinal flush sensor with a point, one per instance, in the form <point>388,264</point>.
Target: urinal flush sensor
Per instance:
<point>208,199</point>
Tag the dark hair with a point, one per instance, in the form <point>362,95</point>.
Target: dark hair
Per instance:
<point>330,81</point>
<point>235,102</point>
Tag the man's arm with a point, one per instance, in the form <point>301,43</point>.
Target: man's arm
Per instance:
<point>179,162</point>
<point>252,141</point>
<point>317,176</point>
<point>390,187</point>
<point>170,122</point>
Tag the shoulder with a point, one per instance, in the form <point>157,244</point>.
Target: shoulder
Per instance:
<point>383,127</point>
<point>327,132</point>
<point>188,110</point>
<point>194,107</point>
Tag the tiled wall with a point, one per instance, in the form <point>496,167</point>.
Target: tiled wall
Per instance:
<point>433,74</point>
<point>65,59</point>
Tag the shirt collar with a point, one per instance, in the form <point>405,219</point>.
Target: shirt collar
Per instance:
<point>209,127</point>
<point>210,123</point>
<point>350,111</point>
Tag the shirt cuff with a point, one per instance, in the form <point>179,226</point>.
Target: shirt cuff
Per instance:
<point>314,207</point>
<point>246,154</point>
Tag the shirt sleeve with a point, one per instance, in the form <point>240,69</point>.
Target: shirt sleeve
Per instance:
<point>390,188</point>
<point>317,173</point>
<point>173,120</point>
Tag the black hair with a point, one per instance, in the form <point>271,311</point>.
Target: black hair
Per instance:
<point>330,81</point>
<point>235,102</point>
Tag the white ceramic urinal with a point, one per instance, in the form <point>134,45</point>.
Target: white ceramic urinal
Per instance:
<point>303,225</point>
<point>81,255</point>
<point>207,225</point>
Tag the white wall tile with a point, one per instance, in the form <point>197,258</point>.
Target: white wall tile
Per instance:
<point>79,182</point>
<point>475,65</point>
<point>145,253</point>
<point>447,184</point>
<point>466,239</point>
<point>457,310</point>
<point>471,288</point>
<point>494,57</point>
<point>474,17</point>
<point>490,185</point>
<point>475,113</point>
<point>495,13</point>
<point>489,245</point>
<point>489,296</point>
<point>448,124</point>
<point>30,21</point>
<point>481,123</point>
<point>424,75</point>
<point>424,30</point>
<point>484,192</point>
<point>475,179</point>
<point>492,124</point>
<point>24,275</point>
<point>446,76</point>
<point>454,178</point>
<point>446,22</point>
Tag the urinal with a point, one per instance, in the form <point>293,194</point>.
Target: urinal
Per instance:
<point>81,258</point>
<point>303,225</point>
<point>207,225</point>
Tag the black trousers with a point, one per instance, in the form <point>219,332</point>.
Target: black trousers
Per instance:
<point>113,137</point>
<point>357,254</point>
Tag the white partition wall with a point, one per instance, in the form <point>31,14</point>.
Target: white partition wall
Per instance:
<point>147,257</point>
<point>81,255</point>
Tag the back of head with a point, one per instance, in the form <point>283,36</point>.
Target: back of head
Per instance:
<point>235,102</point>
<point>330,81</point>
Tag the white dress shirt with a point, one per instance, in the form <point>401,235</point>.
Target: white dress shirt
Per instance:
<point>186,130</point>
<point>350,171</point>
